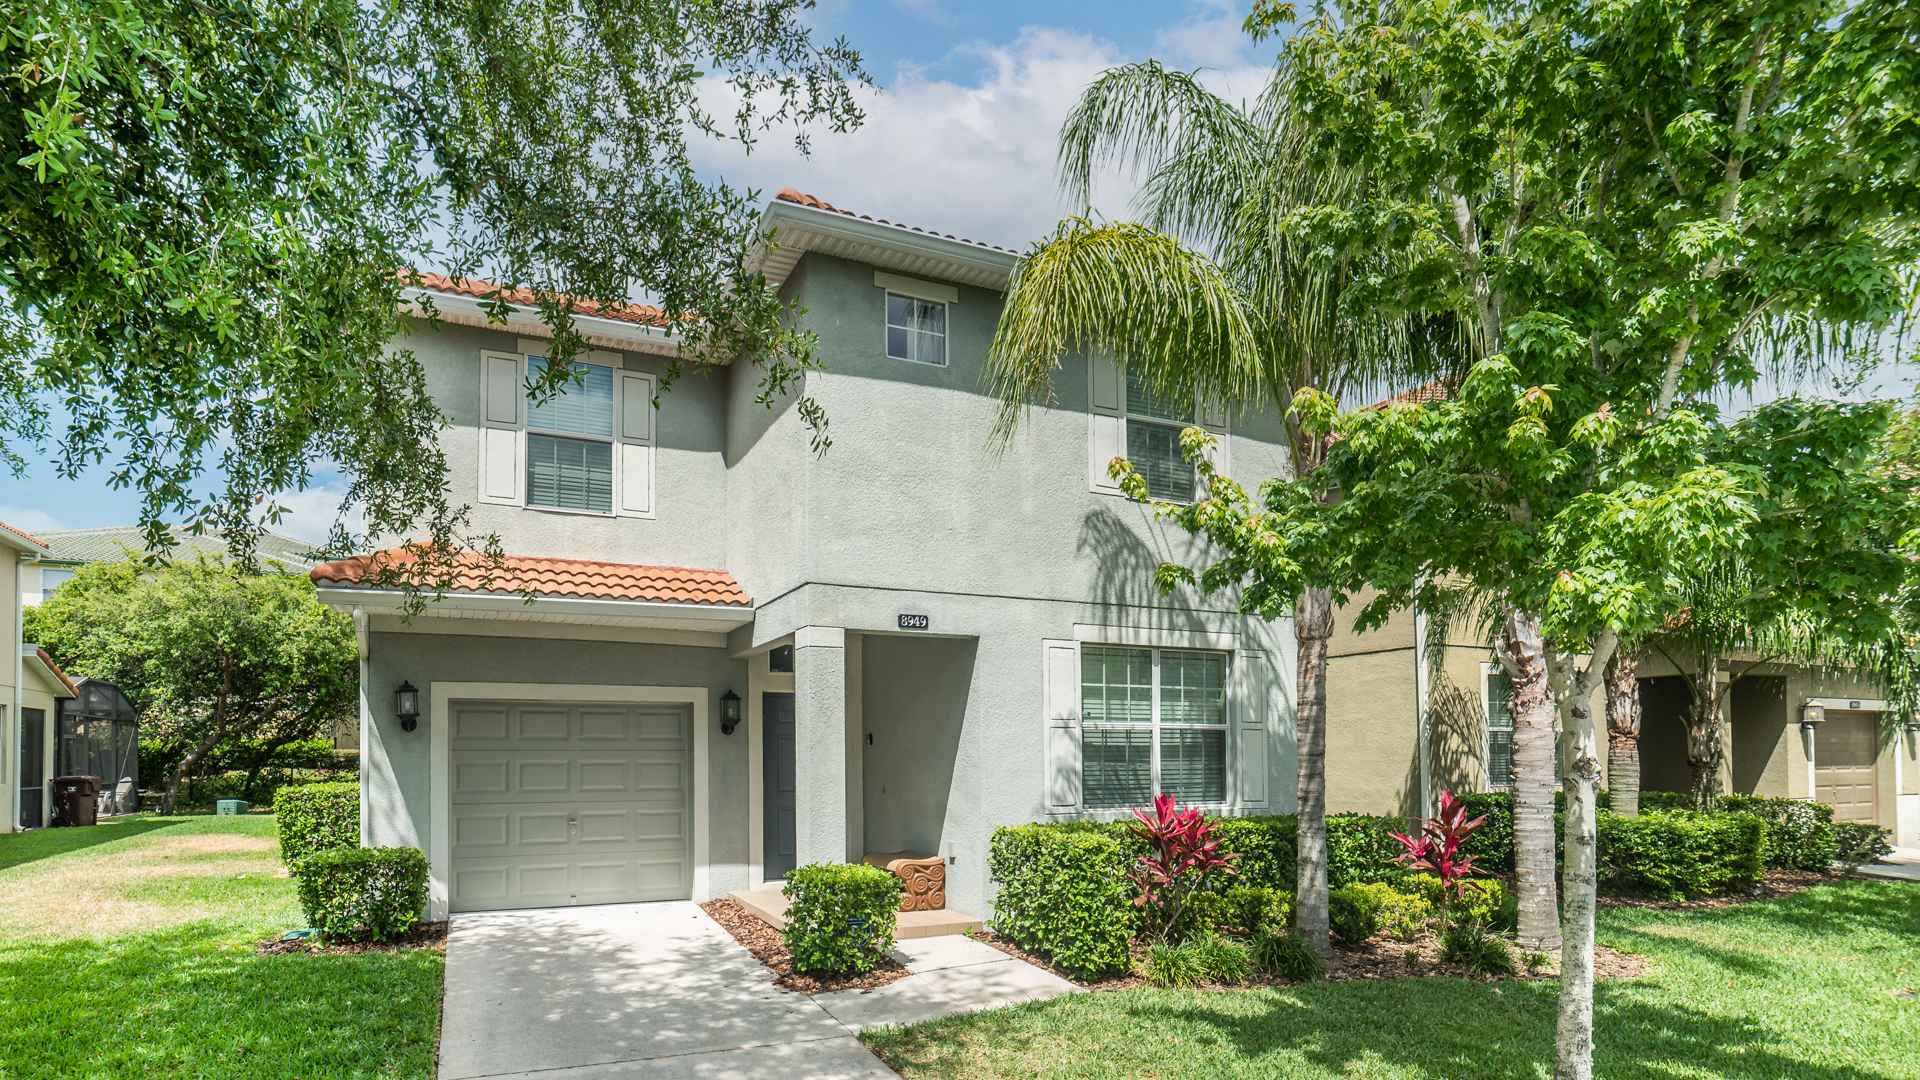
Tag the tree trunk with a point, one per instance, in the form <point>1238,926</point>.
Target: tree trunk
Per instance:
<point>1623,732</point>
<point>1313,625</point>
<point>1531,703</point>
<point>1574,1043</point>
<point>185,765</point>
<point>1706,751</point>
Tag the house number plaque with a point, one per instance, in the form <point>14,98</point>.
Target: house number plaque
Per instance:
<point>913,622</point>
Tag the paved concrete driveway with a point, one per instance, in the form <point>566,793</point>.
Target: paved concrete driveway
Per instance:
<point>627,990</point>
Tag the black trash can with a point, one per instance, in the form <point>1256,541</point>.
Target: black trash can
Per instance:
<point>76,800</point>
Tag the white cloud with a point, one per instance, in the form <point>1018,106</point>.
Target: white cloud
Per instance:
<point>31,518</point>
<point>971,155</point>
<point>310,514</point>
<point>1211,37</point>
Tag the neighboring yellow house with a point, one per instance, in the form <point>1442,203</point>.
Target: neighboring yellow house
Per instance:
<point>1410,713</point>
<point>31,687</point>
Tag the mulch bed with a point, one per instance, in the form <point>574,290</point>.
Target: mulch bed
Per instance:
<point>1776,885</point>
<point>426,935</point>
<point>1379,959</point>
<point>767,946</point>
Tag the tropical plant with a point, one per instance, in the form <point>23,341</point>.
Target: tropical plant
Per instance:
<point>210,207</point>
<point>1217,293</point>
<point>1284,955</point>
<point>1480,950</point>
<point>1437,848</point>
<point>1182,854</point>
<point>1622,689</point>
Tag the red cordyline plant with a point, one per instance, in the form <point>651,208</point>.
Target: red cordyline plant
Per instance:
<point>1437,848</point>
<point>1183,854</point>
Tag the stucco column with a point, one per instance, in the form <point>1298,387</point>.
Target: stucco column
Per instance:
<point>820,744</point>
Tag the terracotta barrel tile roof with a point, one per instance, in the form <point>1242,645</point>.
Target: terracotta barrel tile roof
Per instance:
<point>481,289</point>
<point>801,198</point>
<point>20,532</point>
<point>65,680</point>
<point>571,578</point>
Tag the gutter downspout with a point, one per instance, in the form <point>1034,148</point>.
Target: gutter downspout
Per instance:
<point>1422,736</point>
<point>11,741</point>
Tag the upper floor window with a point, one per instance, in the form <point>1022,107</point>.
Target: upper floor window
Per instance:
<point>52,578</point>
<point>570,441</point>
<point>588,447</point>
<point>916,329</point>
<point>1152,721</point>
<point>1153,440</point>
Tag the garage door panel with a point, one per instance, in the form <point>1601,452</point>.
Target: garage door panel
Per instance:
<point>601,813</point>
<point>1844,751</point>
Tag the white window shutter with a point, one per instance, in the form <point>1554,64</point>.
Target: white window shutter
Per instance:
<point>1214,417</point>
<point>503,402</point>
<point>636,444</point>
<point>1257,706</point>
<point>1061,694</point>
<point>1107,433</point>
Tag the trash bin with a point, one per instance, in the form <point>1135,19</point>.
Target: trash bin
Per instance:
<point>229,807</point>
<point>76,800</point>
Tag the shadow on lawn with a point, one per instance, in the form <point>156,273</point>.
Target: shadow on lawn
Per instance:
<point>193,1001</point>
<point>18,849</point>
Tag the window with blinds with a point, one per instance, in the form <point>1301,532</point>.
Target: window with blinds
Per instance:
<point>916,330</point>
<point>1152,721</point>
<point>1499,732</point>
<point>1153,441</point>
<point>570,441</point>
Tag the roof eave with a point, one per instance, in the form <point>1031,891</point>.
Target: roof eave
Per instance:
<point>800,229</point>
<point>717,617</point>
<point>608,333</point>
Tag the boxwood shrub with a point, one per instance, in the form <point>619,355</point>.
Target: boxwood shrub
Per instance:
<point>1799,833</point>
<point>316,817</point>
<point>840,918</point>
<point>363,894</point>
<point>1064,894</point>
<point>1857,843</point>
<point>1681,854</point>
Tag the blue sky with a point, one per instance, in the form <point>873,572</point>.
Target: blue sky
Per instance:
<point>959,136</point>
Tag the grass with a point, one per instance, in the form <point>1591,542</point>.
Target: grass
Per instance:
<point>1820,986</point>
<point>126,949</point>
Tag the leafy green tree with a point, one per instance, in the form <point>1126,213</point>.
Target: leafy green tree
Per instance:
<point>211,656</point>
<point>1212,293</point>
<point>1633,207</point>
<point>208,207</point>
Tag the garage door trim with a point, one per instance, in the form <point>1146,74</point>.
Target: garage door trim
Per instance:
<point>441,695</point>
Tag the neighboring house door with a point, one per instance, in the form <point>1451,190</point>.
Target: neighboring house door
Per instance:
<point>33,760</point>
<point>1844,749</point>
<point>777,768</point>
<point>557,804</point>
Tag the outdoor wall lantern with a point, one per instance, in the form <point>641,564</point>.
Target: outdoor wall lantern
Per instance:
<point>406,706</point>
<point>1812,715</point>
<point>729,712</point>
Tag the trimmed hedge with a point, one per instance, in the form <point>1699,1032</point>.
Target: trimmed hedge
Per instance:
<point>1857,843</point>
<point>1799,833</point>
<point>1064,894</point>
<point>316,817</point>
<point>840,918</point>
<point>363,894</point>
<point>1681,854</point>
<point>206,790</point>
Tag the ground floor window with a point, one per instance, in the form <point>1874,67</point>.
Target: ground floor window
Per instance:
<point>1152,721</point>
<point>1499,692</point>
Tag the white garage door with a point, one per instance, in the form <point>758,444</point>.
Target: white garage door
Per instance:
<point>559,804</point>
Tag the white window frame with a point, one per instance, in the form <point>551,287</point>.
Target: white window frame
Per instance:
<point>1488,671</point>
<point>626,382</point>
<point>1155,725</point>
<point>887,325</point>
<point>611,441</point>
<point>1128,418</point>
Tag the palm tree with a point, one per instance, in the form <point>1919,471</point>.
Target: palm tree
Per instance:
<point>1210,294</point>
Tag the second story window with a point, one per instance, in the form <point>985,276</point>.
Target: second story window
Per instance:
<point>570,441</point>
<point>916,330</point>
<point>1153,441</point>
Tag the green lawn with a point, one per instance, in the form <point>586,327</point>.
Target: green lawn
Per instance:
<point>126,950</point>
<point>1822,985</point>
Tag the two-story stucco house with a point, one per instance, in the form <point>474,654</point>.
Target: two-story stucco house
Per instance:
<point>924,636</point>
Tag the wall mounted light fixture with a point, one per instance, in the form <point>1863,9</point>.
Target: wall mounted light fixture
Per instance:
<point>406,706</point>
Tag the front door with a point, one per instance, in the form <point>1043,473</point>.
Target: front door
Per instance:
<point>1844,749</point>
<point>776,712</point>
<point>33,759</point>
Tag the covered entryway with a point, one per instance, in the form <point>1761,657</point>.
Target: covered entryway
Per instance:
<point>778,799</point>
<point>1844,751</point>
<point>557,803</point>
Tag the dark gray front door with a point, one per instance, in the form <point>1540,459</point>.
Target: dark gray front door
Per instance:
<point>777,768</point>
<point>33,750</point>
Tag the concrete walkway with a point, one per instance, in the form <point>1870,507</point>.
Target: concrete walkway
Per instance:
<point>660,990</point>
<point>1902,865</point>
